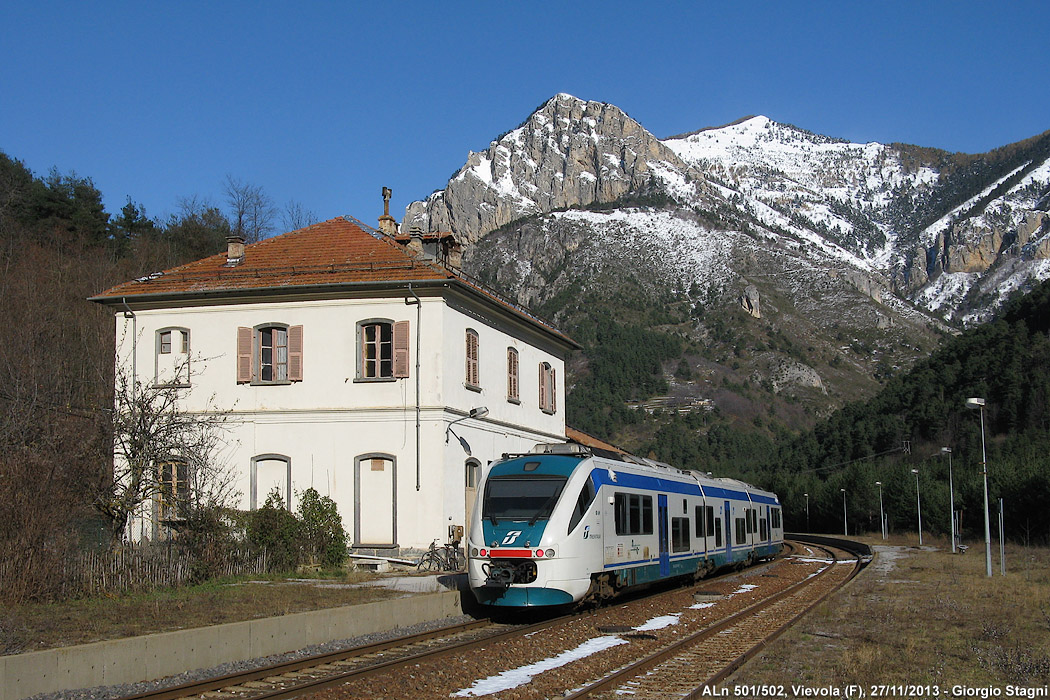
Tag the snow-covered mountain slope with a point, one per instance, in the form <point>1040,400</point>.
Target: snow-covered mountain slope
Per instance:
<point>948,232</point>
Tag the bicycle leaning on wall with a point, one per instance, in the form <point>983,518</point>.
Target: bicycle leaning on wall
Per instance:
<point>447,557</point>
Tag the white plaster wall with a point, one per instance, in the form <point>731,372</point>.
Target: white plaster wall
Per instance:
<point>493,342</point>
<point>322,423</point>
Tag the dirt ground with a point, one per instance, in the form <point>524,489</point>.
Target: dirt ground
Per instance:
<point>919,622</point>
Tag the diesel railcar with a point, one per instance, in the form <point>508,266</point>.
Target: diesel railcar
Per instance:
<point>568,524</point>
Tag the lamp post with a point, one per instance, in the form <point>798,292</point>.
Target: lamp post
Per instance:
<point>807,511</point>
<point>918,502</point>
<point>882,511</point>
<point>951,495</point>
<point>978,404</point>
<point>845,527</point>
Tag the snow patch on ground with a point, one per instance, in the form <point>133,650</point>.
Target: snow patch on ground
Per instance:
<point>515,677</point>
<point>512,678</point>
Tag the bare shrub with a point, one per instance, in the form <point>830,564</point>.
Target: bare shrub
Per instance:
<point>1020,664</point>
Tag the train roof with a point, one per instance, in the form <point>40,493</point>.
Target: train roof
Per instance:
<point>569,454</point>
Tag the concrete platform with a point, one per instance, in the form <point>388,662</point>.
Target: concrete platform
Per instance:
<point>149,657</point>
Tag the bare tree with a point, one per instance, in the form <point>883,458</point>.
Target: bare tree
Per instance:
<point>252,212</point>
<point>162,452</point>
<point>295,216</point>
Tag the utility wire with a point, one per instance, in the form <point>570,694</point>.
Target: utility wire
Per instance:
<point>905,447</point>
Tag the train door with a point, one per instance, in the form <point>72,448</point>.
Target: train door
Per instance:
<point>661,515</point>
<point>729,531</point>
<point>471,477</point>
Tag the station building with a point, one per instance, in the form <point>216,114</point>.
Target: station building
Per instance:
<point>358,361</point>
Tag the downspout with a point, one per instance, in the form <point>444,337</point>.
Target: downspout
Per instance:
<point>419,317</point>
<point>128,313</point>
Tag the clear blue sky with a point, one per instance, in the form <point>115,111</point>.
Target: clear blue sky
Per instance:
<point>325,103</point>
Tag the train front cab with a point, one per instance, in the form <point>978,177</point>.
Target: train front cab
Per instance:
<point>519,554</point>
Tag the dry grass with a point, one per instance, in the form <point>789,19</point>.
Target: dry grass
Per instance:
<point>933,618</point>
<point>41,626</point>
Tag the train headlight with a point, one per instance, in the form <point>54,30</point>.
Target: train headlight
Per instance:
<point>549,553</point>
<point>473,551</point>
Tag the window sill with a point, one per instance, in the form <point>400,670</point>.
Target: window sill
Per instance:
<point>472,387</point>
<point>171,385</point>
<point>280,382</point>
<point>548,411</point>
<point>374,380</point>
<point>516,402</point>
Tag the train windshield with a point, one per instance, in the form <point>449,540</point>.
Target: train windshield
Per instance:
<point>529,499</point>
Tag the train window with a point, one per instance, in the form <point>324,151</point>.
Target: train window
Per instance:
<point>718,532</point>
<point>763,530</point>
<point>741,530</point>
<point>679,534</point>
<point>583,502</point>
<point>529,499</point>
<point>634,514</point>
<point>752,517</point>
<point>775,516</point>
<point>705,522</point>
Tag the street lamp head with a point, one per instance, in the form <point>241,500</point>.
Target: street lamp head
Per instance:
<point>842,490</point>
<point>878,483</point>
<point>479,412</point>
<point>975,403</point>
<point>914,471</point>
<point>946,450</point>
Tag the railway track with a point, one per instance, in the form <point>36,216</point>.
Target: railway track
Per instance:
<point>431,662</point>
<point>711,655</point>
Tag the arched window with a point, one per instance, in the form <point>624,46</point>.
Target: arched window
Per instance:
<point>270,353</point>
<point>382,349</point>
<point>172,357</point>
<point>471,473</point>
<point>173,490</point>
<point>270,472</point>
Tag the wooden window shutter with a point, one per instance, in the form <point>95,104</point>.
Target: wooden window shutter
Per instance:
<point>553,391</point>
<point>512,373</point>
<point>244,355</point>
<point>472,358</point>
<point>543,386</point>
<point>401,349</point>
<point>295,353</point>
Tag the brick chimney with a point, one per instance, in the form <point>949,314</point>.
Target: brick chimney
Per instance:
<point>387,223</point>
<point>234,250</point>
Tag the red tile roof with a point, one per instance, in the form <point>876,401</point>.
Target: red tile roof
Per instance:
<point>587,440</point>
<point>334,253</point>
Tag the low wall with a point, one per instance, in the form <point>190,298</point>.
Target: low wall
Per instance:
<point>158,655</point>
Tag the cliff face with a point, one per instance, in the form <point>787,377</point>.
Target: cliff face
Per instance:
<point>567,154</point>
